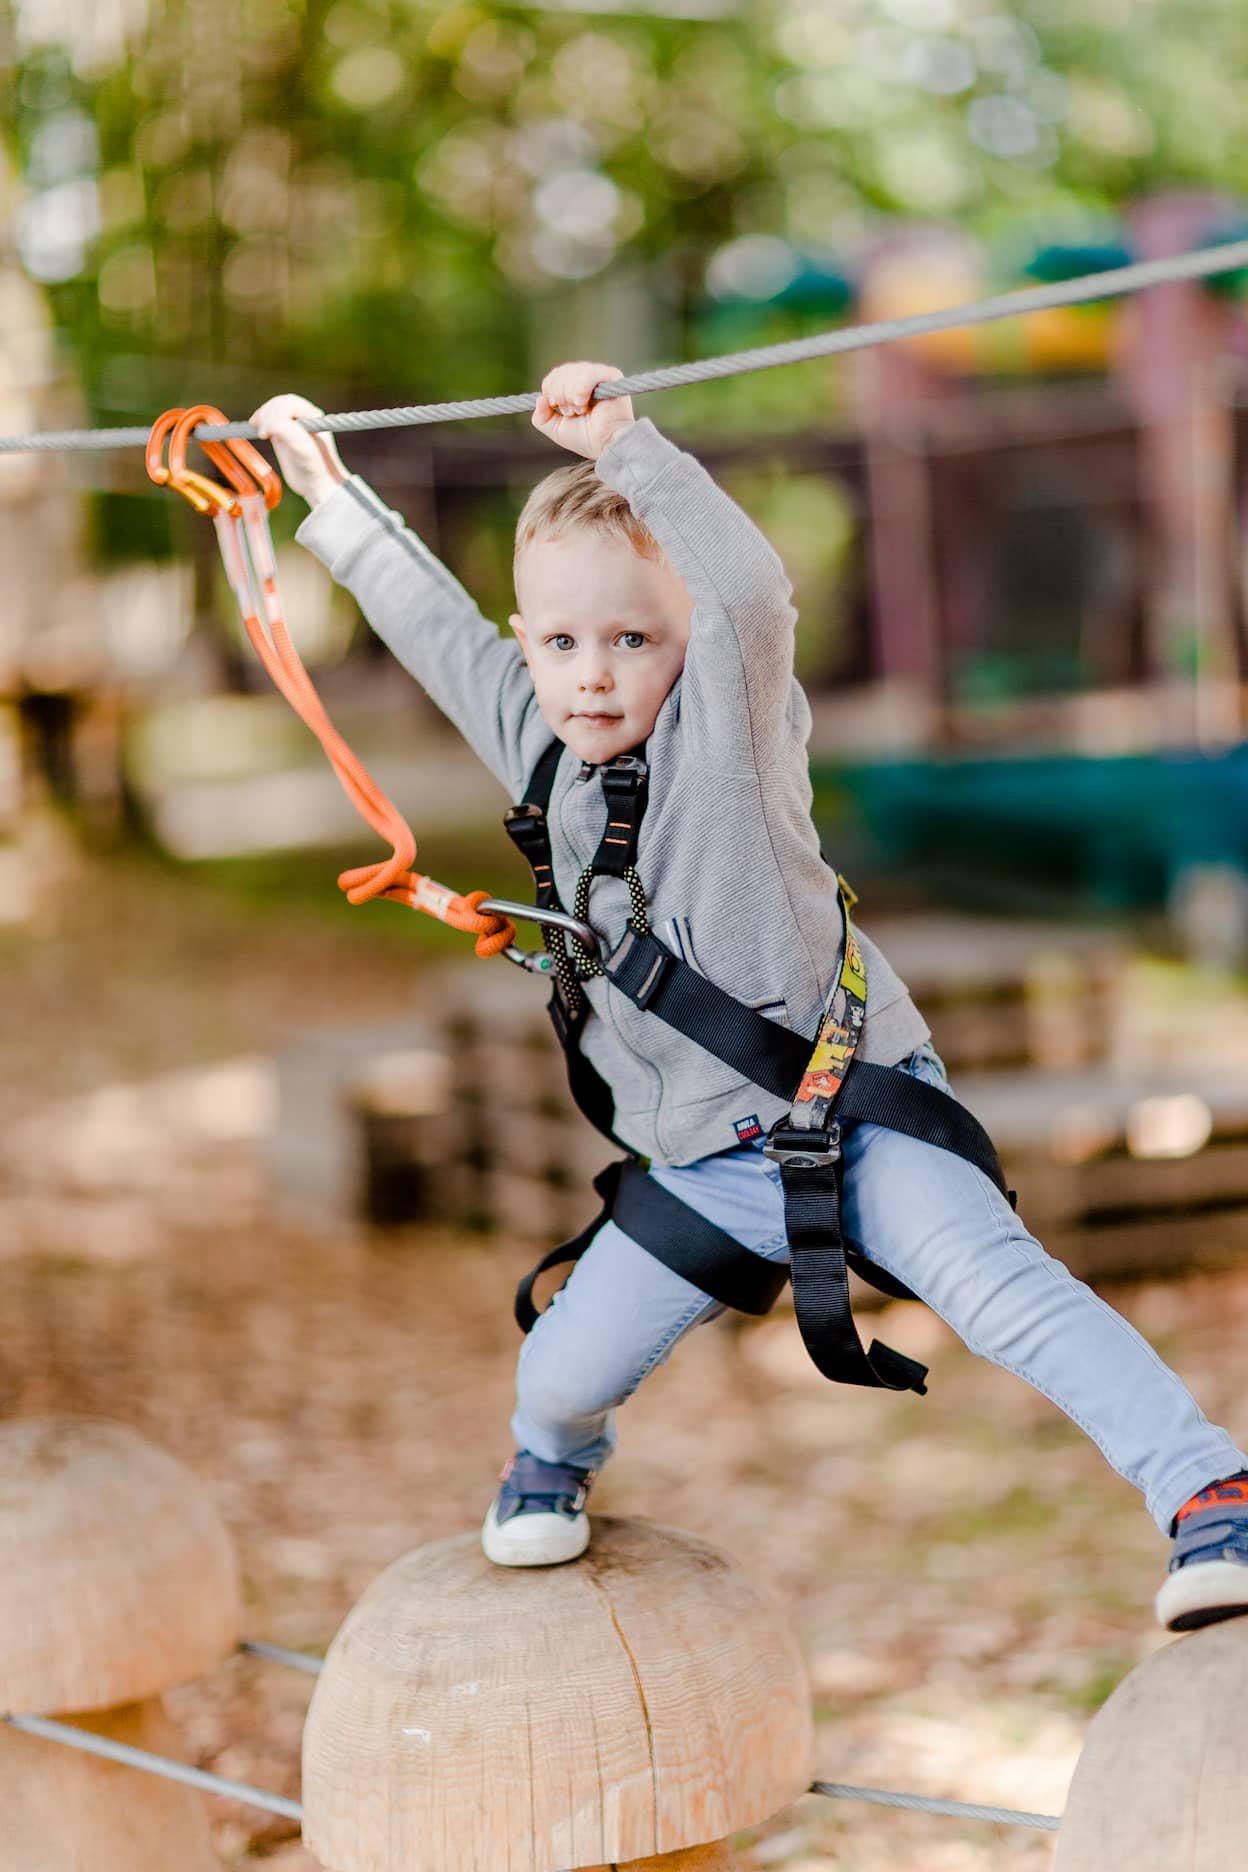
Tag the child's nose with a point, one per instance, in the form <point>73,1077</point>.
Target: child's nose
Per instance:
<point>595,674</point>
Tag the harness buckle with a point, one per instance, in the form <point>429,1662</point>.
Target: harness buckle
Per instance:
<point>794,1149</point>
<point>625,775</point>
<point>524,823</point>
<point>650,965</point>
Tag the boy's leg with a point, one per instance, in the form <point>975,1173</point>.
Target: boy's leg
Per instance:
<point>938,1224</point>
<point>621,1312</point>
<point>618,1316</point>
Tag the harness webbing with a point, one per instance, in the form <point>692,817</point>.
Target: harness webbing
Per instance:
<point>817,1263</point>
<point>826,1085</point>
<point>664,984</point>
<point>705,1255</point>
<point>869,1096</point>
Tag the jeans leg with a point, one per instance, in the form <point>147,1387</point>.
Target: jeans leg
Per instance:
<point>621,1313</point>
<point>940,1226</point>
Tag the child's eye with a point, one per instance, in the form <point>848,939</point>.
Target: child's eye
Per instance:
<point>632,640</point>
<point>561,641</point>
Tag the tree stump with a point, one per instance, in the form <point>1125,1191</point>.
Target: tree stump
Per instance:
<point>643,1701</point>
<point>117,1581</point>
<point>1162,1782</point>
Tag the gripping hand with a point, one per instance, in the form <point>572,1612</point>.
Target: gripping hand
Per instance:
<point>310,464</point>
<point>567,413</point>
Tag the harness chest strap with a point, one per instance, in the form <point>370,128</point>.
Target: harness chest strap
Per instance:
<point>806,1145</point>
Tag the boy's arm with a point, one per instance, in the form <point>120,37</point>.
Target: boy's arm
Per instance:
<point>738,679</point>
<point>421,611</point>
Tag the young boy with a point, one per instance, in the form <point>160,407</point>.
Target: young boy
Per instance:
<point>654,617</point>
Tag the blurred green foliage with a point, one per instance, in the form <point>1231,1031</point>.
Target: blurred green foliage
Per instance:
<point>394,200</point>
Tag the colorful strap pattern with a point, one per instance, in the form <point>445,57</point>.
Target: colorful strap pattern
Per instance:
<point>839,1033</point>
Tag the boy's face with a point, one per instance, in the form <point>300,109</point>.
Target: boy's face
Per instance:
<point>604,634</point>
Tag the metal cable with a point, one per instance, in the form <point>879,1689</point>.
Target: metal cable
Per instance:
<point>278,1654</point>
<point>881,1797</point>
<point>91,1744</point>
<point>920,1803</point>
<point>1198,264</point>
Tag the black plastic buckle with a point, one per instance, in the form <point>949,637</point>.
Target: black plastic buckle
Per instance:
<point>524,824</point>
<point>624,776</point>
<point>803,1150</point>
<point>655,965</point>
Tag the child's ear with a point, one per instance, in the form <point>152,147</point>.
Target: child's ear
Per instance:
<point>522,638</point>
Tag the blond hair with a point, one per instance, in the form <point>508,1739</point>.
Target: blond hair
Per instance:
<point>574,497</point>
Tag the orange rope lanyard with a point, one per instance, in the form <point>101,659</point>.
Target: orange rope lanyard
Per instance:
<point>240,514</point>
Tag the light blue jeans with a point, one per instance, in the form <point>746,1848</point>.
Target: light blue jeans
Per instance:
<point>941,1227</point>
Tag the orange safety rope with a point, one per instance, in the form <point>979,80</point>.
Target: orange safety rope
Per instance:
<point>240,514</point>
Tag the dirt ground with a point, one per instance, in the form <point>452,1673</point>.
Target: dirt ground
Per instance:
<point>966,1578</point>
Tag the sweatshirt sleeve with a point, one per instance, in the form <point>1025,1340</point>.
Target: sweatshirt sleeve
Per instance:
<point>476,676</point>
<point>736,691</point>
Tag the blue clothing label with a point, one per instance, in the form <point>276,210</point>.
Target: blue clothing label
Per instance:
<point>748,1128</point>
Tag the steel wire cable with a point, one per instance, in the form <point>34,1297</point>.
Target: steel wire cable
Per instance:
<point>146,1762</point>
<point>1200,263</point>
<point>923,1803</point>
<point>88,1743</point>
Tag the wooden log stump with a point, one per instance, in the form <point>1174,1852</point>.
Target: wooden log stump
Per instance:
<point>117,1581</point>
<point>1162,1782</point>
<point>637,1706</point>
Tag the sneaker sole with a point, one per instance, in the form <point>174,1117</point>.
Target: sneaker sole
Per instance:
<point>1202,1594</point>
<point>552,1543</point>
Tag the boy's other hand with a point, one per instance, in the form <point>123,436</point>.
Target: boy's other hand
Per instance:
<point>567,413</point>
<point>310,463</point>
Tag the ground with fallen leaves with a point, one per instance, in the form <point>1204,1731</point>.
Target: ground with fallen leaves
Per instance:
<point>966,1578</point>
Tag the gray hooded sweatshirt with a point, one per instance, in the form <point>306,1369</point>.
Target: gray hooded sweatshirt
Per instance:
<point>728,855</point>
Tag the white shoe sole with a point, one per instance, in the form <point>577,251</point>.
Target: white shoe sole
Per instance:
<point>1198,1595</point>
<point>534,1539</point>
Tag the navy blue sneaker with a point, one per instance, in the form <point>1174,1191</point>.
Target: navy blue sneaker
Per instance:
<point>1208,1578</point>
<point>538,1517</point>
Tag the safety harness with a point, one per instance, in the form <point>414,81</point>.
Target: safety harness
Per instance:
<point>827,1087</point>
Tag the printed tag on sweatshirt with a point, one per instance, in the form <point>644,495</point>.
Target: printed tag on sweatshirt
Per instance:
<point>747,1129</point>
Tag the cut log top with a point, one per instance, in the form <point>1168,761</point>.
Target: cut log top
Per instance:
<point>117,1577</point>
<point>644,1699</point>
<point>1162,1782</point>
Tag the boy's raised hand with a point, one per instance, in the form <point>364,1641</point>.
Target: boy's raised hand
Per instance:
<point>567,413</point>
<point>310,463</point>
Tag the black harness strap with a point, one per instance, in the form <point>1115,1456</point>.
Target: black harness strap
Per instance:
<point>624,787</point>
<point>769,1056</point>
<point>527,827</point>
<point>883,1096</point>
<point>591,1094</point>
<point>772,1056</point>
<point>704,1255</point>
<point>810,1172</point>
<point>605,1183</point>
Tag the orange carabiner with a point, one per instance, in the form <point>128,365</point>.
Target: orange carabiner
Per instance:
<point>156,447</point>
<point>243,466</point>
<point>240,514</point>
<point>205,496</point>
